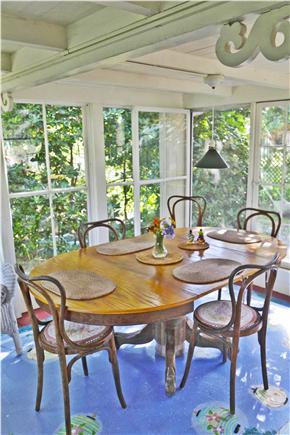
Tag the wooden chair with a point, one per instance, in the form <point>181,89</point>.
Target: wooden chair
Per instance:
<point>85,228</point>
<point>227,321</point>
<point>246,214</point>
<point>65,338</point>
<point>243,218</point>
<point>198,201</point>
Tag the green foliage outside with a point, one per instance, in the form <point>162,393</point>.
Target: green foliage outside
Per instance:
<point>119,165</point>
<point>25,147</point>
<point>274,188</point>
<point>27,162</point>
<point>225,190</point>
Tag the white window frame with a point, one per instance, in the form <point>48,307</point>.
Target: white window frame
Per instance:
<point>255,158</point>
<point>50,191</point>
<point>137,183</point>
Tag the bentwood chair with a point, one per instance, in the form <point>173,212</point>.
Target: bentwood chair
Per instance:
<point>246,214</point>
<point>243,219</point>
<point>197,201</point>
<point>227,321</point>
<point>63,338</point>
<point>111,224</point>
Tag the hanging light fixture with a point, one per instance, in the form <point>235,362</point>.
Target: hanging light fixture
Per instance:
<point>212,159</point>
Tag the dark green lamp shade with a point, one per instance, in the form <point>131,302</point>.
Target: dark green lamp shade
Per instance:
<point>212,160</point>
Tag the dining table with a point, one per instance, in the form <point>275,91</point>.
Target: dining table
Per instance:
<point>149,295</point>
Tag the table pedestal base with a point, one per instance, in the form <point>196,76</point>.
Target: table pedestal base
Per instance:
<point>170,336</point>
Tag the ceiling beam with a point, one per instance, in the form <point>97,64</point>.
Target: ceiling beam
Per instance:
<point>202,65</point>
<point>128,6</point>
<point>31,33</point>
<point>107,77</point>
<point>6,62</point>
<point>163,30</point>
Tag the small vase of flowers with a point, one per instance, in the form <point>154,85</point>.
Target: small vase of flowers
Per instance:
<point>161,228</point>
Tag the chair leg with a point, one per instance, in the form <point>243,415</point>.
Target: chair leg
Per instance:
<point>17,342</point>
<point>65,388</point>
<point>262,342</point>
<point>116,373</point>
<point>219,294</point>
<point>40,360</point>
<point>249,294</point>
<point>189,357</point>
<point>234,355</point>
<point>85,366</point>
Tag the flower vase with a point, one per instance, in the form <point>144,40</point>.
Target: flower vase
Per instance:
<point>159,250</point>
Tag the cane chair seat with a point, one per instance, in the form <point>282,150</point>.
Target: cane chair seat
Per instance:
<point>79,333</point>
<point>217,314</point>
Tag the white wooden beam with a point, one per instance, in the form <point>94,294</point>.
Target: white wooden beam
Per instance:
<point>241,95</point>
<point>143,81</point>
<point>163,30</point>
<point>95,26</point>
<point>37,34</point>
<point>6,62</point>
<point>201,65</point>
<point>135,7</point>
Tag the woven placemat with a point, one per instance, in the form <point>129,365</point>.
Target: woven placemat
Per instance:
<point>81,285</point>
<point>235,236</point>
<point>193,246</point>
<point>171,258</point>
<point>205,271</point>
<point>126,246</point>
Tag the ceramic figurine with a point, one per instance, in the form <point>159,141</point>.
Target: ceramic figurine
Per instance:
<point>190,236</point>
<point>200,238</point>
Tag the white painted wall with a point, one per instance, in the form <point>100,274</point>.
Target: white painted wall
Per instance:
<point>240,95</point>
<point>58,93</point>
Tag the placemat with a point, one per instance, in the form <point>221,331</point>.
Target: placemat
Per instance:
<point>205,271</point>
<point>81,285</point>
<point>193,246</point>
<point>171,258</point>
<point>235,236</point>
<point>126,246</point>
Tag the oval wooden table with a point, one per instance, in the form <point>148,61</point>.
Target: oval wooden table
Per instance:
<point>148,294</point>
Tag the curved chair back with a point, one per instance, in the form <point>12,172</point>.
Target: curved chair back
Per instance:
<point>270,272</point>
<point>111,224</point>
<point>198,201</point>
<point>38,283</point>
<point>245,214</point>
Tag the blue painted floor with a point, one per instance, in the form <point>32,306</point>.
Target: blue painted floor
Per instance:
<point>200,408</point>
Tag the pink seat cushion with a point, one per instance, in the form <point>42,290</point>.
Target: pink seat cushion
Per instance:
<point>218,314</point>
<point>77,332</point>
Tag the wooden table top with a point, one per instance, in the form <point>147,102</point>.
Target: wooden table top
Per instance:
<point>147,293</point>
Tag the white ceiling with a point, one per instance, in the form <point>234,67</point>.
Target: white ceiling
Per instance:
<point>33,31</point>
<point>56,12</point>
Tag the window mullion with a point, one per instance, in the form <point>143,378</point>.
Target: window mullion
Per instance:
<point>162,162</point>
<point>284,173</point>
<point>136,170</point>
<point>256,155</point>
<point>53,228</point>
<point>95,167</point>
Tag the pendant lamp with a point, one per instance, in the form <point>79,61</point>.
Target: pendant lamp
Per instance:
<point>212,159</point>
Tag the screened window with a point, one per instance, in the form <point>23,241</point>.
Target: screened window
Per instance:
<point>272,174</point>
<point>44,154</point>
<point>146,161</point>
<point>225,190</point>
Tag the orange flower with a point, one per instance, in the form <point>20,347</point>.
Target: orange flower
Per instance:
<point>156,222</point>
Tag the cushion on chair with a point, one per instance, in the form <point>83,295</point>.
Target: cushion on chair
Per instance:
<point>78,332</point>
<point>218,313</point>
